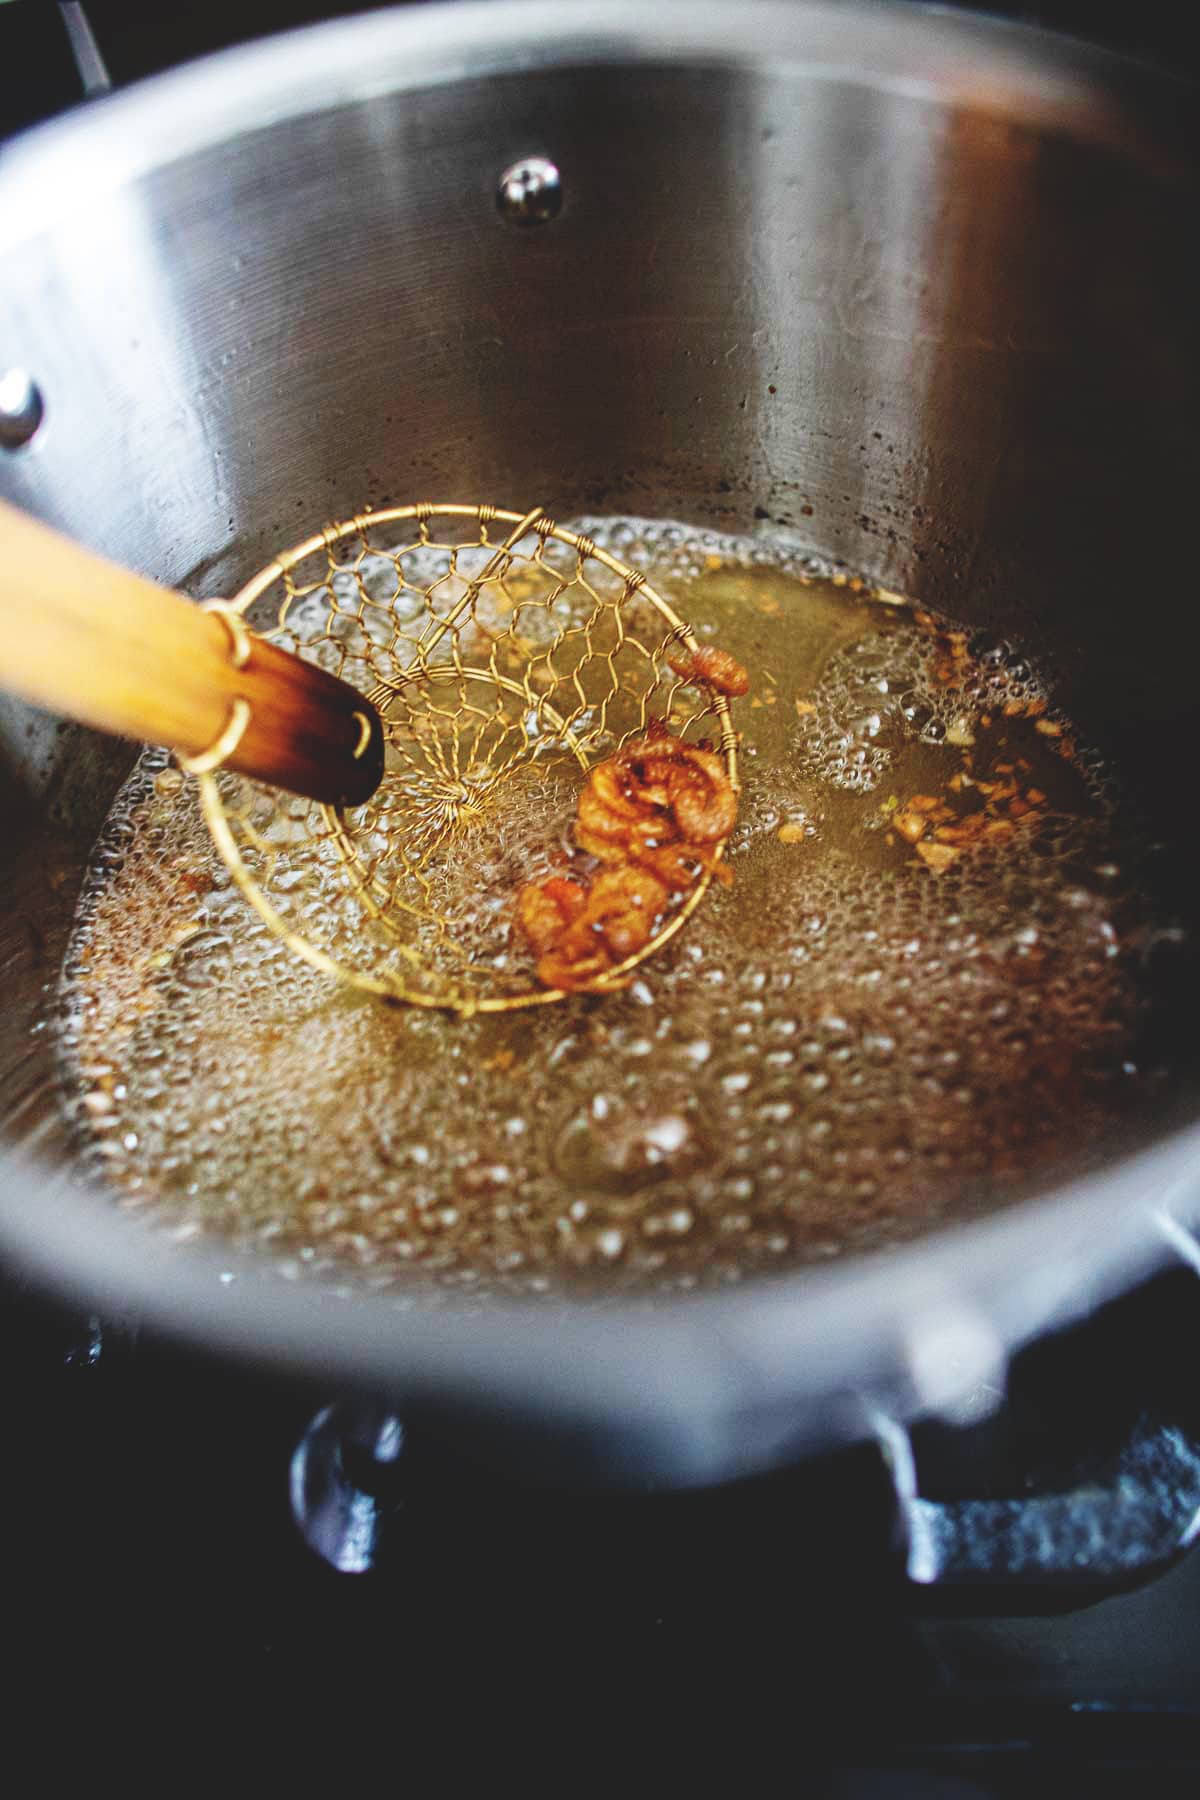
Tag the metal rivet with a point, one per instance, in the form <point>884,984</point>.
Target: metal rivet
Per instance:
<point>21,408</point>
<point>530,192</point>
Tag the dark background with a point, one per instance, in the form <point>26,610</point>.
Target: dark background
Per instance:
<point>138,38</point>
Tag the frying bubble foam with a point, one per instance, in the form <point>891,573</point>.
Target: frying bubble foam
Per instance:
<point>840,1051</point>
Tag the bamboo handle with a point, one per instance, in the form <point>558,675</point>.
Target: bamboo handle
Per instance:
<point>82,636</point>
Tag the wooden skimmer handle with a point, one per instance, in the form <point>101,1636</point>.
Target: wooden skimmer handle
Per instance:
<point>87,638</point>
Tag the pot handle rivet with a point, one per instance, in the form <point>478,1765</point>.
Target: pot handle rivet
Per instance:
<point>530,192</point>
<point>22,408</point>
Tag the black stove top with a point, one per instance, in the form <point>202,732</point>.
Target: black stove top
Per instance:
<point>975,1609</point>
<point>1037,1614</point>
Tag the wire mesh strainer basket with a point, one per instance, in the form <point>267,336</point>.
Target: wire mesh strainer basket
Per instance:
<point>507,656</point>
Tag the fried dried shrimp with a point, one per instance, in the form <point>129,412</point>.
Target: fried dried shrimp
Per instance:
<point>712,668</point>
<point>653,816</point>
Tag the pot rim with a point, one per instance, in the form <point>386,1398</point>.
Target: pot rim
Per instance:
<point>902,1331</point>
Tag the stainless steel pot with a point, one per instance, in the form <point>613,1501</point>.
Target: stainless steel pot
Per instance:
<point>918,287</point>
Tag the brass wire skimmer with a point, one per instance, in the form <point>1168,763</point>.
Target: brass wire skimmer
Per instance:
<point>505,655</point>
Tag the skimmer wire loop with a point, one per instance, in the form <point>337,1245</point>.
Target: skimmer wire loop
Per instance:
<point>505,655</point>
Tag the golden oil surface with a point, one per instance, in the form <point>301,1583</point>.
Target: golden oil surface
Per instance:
<point>849,1045</point>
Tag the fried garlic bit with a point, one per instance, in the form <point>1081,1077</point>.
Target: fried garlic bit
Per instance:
<point>711,668</point>
<point>653,817</point>
<point>939,832</point>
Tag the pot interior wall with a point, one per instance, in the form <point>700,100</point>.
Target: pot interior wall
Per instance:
<point>950,346</point>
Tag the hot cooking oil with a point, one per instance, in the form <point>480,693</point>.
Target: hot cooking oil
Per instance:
<point>919,996</point>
